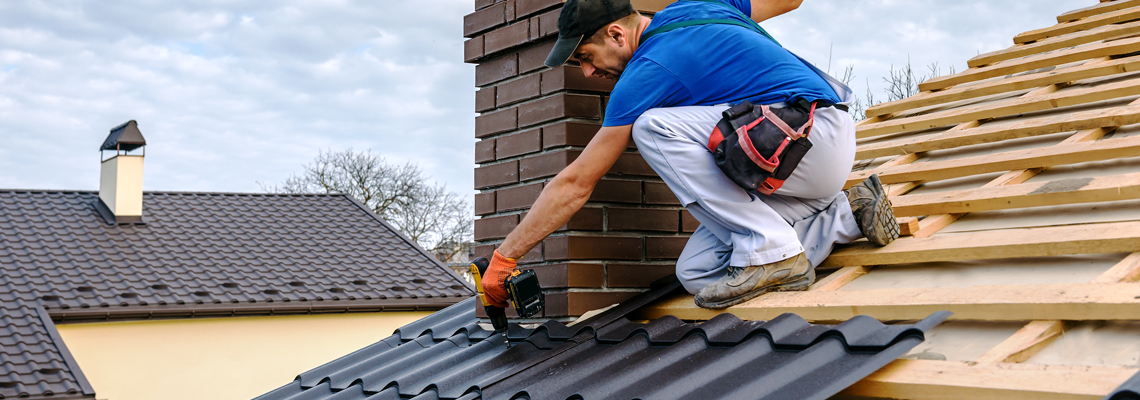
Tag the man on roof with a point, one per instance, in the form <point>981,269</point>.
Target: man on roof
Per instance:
<point>677,73</point>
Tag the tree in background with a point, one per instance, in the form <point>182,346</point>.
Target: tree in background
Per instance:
<point>901,83</point>
<point>438,220</point>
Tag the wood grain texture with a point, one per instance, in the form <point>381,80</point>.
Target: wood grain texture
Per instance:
<point>1076,302</point>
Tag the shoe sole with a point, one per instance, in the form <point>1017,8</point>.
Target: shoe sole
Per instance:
<point>798,285</point>
<point>885,229</point>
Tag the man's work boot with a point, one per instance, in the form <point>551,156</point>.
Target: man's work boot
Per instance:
<point>873,211</point>
<point>745,283</point>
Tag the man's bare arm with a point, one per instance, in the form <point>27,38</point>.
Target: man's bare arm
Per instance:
<point>765,9</point>
<point>568,191</point>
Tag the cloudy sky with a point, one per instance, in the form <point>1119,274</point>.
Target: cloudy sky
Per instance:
<point>232,93</point>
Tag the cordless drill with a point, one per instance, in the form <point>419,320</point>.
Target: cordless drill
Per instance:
<point>522,288</point>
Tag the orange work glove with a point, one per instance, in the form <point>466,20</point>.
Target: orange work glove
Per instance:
<point>495,280</point>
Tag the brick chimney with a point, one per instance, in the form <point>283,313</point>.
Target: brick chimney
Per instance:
<point>120,177</point>
<point>533,122</point>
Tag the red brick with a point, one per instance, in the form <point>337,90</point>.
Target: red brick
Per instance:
<point>631,164</point>
<point>484,99</point>
<point>528,7</point>
<point>534,31</point>
<point>495,122</point>
<point>486,251</point>
<point>642,219</point>
<point>548,23</point>
<point>473,49</point>
<point>517,198</point>
<point>485,203</point>
<point>586,219</point>
<point>534,57</point>
<point>512,35</point>
<point>510,11</point>
<point>483,20</point>
<point>574,303</point>
<point>548,164</point>
<point>576,275</point>
<point>519,143</point>
<point>532,256</point>
<point>636,275</point>
<point>566,105</point>
<point>659,193</point>
<point>495,227</point>
<point>484,151</point>
<point>497,175</point>
<point>592,248</point>
<point>569,77</point>
<point>664,247</point>
<point>689,223</point>
<point>616,191</point>
<point>518,90</point>
<point>481,4</point>
<point>495,70</point>
<point>569,134</point>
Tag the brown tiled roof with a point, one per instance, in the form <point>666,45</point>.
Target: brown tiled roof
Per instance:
<point>198,254</point>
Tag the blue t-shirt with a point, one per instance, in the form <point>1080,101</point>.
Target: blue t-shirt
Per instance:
<point>709,65</point>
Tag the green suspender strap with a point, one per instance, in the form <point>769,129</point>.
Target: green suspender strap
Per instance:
<point>683,24</point>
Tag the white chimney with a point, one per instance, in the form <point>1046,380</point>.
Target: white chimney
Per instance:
<point>120,178</point>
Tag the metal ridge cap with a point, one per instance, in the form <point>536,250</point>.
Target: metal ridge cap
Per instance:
<point>231,309</point>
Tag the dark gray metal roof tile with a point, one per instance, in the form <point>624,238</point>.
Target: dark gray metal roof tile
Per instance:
<point>56,252</point>
<point>448,354</point>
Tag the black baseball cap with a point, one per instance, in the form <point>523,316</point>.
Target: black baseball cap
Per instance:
<point>580,18</point>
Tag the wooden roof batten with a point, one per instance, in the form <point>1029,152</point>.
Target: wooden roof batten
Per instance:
<point>944,159</point>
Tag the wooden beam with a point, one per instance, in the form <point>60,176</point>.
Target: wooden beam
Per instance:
<point>1095,68</point>
<point>1098,9</point>
<point>1037,194</point>
<point>953,380</point>
<point>1105,49</point>
<point>1116,116</point>
<point>1115,237</point>
<point>1037,334</point>
<point>1127,270</point>
<point>907,225</point>
<point>1077,96</point>
<point>1103,33</point>
<point>840,278</point>
<point>1114,17</point>
<point>1076,302</point>
<point>1024,343</point>
<point>1066,154</point>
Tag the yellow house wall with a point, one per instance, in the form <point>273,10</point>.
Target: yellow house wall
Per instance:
<point>217,358</point>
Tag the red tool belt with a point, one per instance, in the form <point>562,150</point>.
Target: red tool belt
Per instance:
<point>763,145</point>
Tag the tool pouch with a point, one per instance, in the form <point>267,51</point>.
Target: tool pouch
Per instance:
<point>763,144</point>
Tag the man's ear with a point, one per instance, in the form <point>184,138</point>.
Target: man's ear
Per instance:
<point>617,32</point>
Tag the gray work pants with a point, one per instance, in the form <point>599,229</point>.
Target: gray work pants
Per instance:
<point>808,214</point>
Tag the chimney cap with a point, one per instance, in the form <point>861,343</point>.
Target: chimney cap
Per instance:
<point>124,137</point>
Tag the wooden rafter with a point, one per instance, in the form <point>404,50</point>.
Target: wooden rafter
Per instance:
<point>1095,68</point>
<point>1115,116</point>
<point>1115,17</point>
<point>1016,66</point>
<point>1055,43</point>
<point>1115,237</point>
<point>1105,7</point>
<point>1076,302</point>
<point>1025,104</point>
<point>951,380</point>
<point>1071,153</point>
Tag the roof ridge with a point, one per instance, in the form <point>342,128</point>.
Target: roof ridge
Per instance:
<point>176,192</point>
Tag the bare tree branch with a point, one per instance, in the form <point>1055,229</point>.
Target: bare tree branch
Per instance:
<point>438,220</point>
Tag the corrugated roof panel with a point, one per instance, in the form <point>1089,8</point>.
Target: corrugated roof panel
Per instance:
<point>449,355</point>
<point>1130,390</point>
